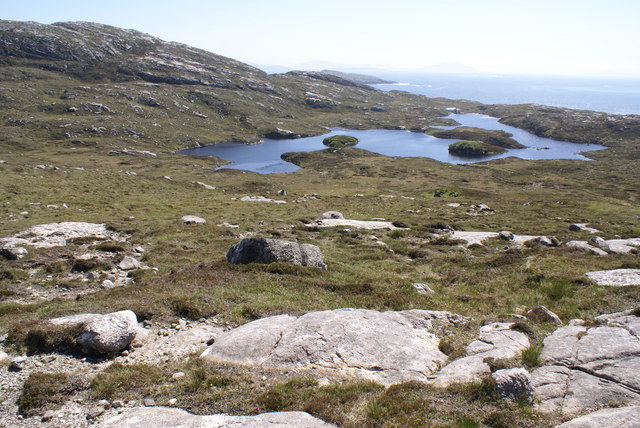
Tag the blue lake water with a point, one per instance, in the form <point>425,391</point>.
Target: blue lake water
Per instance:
<point>265,158</point>
<point>611,95</point>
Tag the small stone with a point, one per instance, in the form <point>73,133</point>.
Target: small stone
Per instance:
<point>541,313</point>
<point>149,402</point>
<point>282,192</point>
<point>125,353</point>
<point>48,358</point>
<point>94,412</point>
<point>107,283</point>
<point>147,323</point>
<point>549,241</point>
<point>422,288</point>
<point>48,415</point>
<point>129,263</point>
<point>4,358</point>
<point>192,219</point>
<point>117,404</point>
<point>18,363</point>
<point>104,404</point>
<point>506,235</point>
<point>178,376</point>
<point>173,402</point>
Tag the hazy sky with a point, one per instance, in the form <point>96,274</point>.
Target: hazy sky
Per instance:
<point>510,36</point>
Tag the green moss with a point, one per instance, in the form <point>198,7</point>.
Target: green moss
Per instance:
<point>338,141</point>
<point>474,149</point>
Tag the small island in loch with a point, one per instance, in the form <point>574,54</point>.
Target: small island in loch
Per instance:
<point>474,149</point>
<point>338,141</point>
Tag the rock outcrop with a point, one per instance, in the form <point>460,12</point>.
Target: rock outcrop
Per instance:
<point>103,334</point>
<point>625,417</point>
<point>387,347</point>
<point>357,224</point>
<point>496,340</point>
<point>57,234</point>
<point>263,250</point>
<point>615,277</point>
<point>514,384</point>
<point>164,417</point>
<point>586,368</point>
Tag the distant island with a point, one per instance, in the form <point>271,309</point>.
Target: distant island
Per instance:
<point>359,78</point>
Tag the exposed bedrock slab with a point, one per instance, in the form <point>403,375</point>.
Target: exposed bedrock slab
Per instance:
<point>496,340</point>
<point>592,367</point>
<point>625,417</point>
<point>615,277</point>
<point>387,347</point>
<point>163,417</point>
<point>478,238</point>
<point>357,224</point>
<point>57,234</point>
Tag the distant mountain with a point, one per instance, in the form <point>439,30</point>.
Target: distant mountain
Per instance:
<point>359,78</point>
<point>125,88</point>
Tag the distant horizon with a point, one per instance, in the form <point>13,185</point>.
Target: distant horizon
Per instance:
<point>587,38</point>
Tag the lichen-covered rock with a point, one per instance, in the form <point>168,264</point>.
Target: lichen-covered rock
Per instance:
<point>163,417</point>
<point>14,253</point>
<point>192,219</point>
<point>263,250</point>
<point>129,263</point>
<point>585,247</point>
<point>541,313</point>
<point>592,367</point>
<point>332,214</point>
<point>496,340</point>
<point>387,347</point>
<point>57,234</point>
<point>103,334</point>
<point>514,384</point>
<point>615,277</point>
<point>625,417</point>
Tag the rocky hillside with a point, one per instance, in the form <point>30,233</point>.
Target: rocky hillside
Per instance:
<point>143,288</point>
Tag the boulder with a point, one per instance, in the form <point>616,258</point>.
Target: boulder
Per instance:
<point>192,219</point>
<point>592,367</point>
<point>615,277</point>
<point>103,333</point>
<point>263,250</point>
<point>579,227</point>
<point>332,214</point>
<point>129,263</point>
<point>541,313</point>
<point>506,235</point>
<point>165,417</point>
<point>421,287</point>
<point>386,347</point>
<point>514,384</point>
<point>548,241</point>
<point>14,253</point>
<point>625,417</point>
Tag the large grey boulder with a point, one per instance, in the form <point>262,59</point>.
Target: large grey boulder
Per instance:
<point>615,277</point>
<point>263,250</point>
<point>496,340</point>
<point>514,384</point>
<point>586,368</point>
<point>103,334</point>
<point>164,417</point>
<point>625,417</point>
<point>387,347</point>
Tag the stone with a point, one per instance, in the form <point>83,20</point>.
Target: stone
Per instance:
<point>149,402</point>
<point>261,199</point>
<point>496,340</point>
<point>192,219</point>
<point>178,376</point>
<point>166,417</point>
<point>18,363</point>
<point>332,214</point>
<point>585,247</point>
<point>282,192</point>
<point>514,384</point>
<point>579,227</point>
<point>103,333</point>
<point>263,250</point>
<point>48,415</point>
<point>94,412</point>
<point>589,367</point>
<point>548,241</point>
<point>57,234</point>
<point>422,288</point>
<point>13,253</point>
<point>129,263</point>
<point>4,358</point>
<point>625,417</point>
<point>506,235</point>
<point>615,277</point>
<point>386,347</point>
<point>357,224</point>
<point>542,314</point>
<point>206,186</point>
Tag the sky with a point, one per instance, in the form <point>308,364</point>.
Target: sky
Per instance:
<point>552,37</point>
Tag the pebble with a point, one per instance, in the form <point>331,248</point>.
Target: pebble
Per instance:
<point>149,402</point>
<point>173,402</point>
<point>94,412</point>
<point>18,363</point>
<point>178,375</point>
